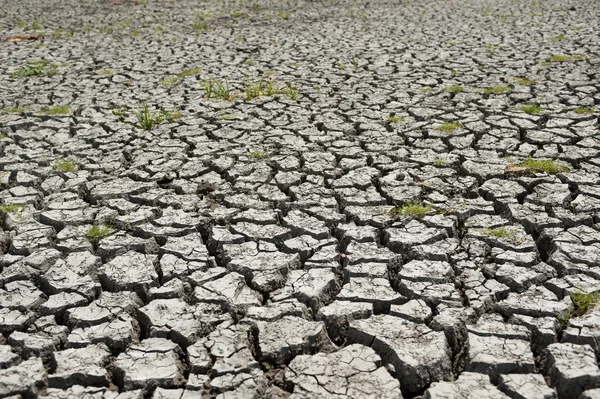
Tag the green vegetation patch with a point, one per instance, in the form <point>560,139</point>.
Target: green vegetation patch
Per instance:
<point>497,90</point>
<point>532,109</point>
<point>394,119</point>
<point>549,166</point>
<point>501,232</point>
<point>583,303</point>
<point>98,232</point>
<point>11,208</point>
<point>454,89</point>
<point>524,81</point>
<point>584,110</point>
<point>217,89</point>
<point>448,127</point>
<point>36,68</point>
<point>259,154</point>
<point>416,208</point>
<point>56,110</point>
<point>147,119</point>
<point>66,165</point>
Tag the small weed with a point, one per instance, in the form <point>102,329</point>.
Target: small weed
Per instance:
<point>558,58</point>
<point>415,208</point>
<point>531,109</point>
<point>448,127</point>
<point>29,25</point>
<point>3,136</point>
<point>451,43</point>
<point>147,119</point>
<point>454,89</point>
<point>292,92</point>
<point>228,117</point>
<point>259,155</point>
<point>394,119</point>
<point>425,90</point>
<point>11,208</point>
<point>557,37</point>
<point>217,89</point>
<point>21,109</point>
<point>440,162</point>
<point>105,72</point>
<point>582,110</point>
<point>66,165</point>
<point>543,165</point>
<point>98,232</point>
<point>284,15</point>
<point>200,24</point>
<point>583,304</point>
<point>501,232</point>
<point>36,68</point>
<point>524,81</point>
<point>171,81</point>
<point>496,90</point>
<point>57,110</point>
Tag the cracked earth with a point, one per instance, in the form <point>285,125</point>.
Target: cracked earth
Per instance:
<point>384,199</point>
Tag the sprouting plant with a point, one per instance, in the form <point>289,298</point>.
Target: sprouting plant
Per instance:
<point>558,58</point>
<point>56,110</point>
<point>258,154</point>
<point>29,25</point>
<point>66,165</point>
<point>524,81</point>
<point>170,81</point>
<point>147,119</point>
<point>105,72</point>
<point>11,208</point>
<point>291,92</point>
<point>394,119</point>
<point>583,303</point>
<point>200,24</point>
<point>425,90</point>
<point>584,110</point>
<point>217,89</point>
<point>440,162</point>
<point>416,208</point>
<point>3,136</point>
<point>448,127</point>
<point>496,90</point>
<point>557,37</point>
<point>543,165</point>
<point>36,68</point>
<point>532,109</point>
<point>98,232</point>
<point>21,109</point>
<point>454,89</point>
<point>503,232</point>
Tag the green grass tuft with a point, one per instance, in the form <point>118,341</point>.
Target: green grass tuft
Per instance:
<point>66,165</point>
<point>440,162</point>
<point>217,89</point>
<point>56,110</point>
<point>582,110</point>
<point>147,119</point>
<point>448,127</point>
<point>524,81</point>
<point>394,119</point>
<point>544,165</point>
<point>98,232</point>
<point>532,109</point>
<point>416,208</point>
<point>11,208</point>
<point>454,89</point>
<point>501,232</point>
<point>259,154</point>
<point>21,109</point>
<point>558,58</point>
<point>583,303</point>
<point>497,90</point>
<point>3,136</point>
<point>35,68</point>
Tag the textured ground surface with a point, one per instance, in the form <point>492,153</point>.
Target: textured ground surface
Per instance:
<point>251,248</point>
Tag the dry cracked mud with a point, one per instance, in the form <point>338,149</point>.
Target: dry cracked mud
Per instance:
<point>301,199</point>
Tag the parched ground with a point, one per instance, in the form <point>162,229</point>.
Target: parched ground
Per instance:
<point>319,199</point>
